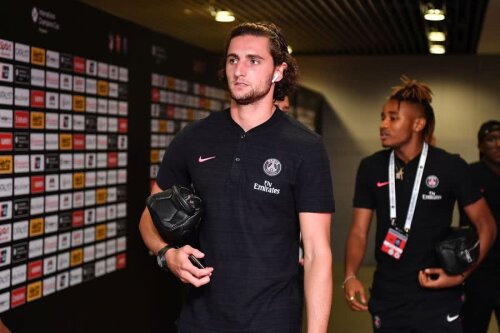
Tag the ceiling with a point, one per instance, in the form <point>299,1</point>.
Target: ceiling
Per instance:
<point>328,27</point>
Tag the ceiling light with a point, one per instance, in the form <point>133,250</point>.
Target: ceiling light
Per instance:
<point>290,50</point>
<point>433,14</point>
<point>224,16</point>
<point>437,49</point>
<point>437,36</point>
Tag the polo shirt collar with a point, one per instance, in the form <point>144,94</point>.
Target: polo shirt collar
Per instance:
<point>276,116</point>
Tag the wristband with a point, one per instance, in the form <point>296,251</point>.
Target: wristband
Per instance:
<point>350,277</point>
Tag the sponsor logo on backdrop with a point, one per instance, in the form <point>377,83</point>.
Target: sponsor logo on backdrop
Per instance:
<point>52,162</point>
<point>49,285</point>
<point>44,20</point>
<point>37,99</point>
<point>62,260</point>
<point>21,208</point>
<point>6,95</point>
<point>51,223</point>
<point>75,276</point>
<point>5,233</point>
<point>52,59</point>
<point>35,248</point>
<point>22,52</point>
<point>52,100</point>
<point>50,246</point>
<point>91,67</point>
<point>5,164</point>
<point>78,161</point>
<point>62,281</point>
<point>37,162</point>
<point>18,297</point>
<point>19,252</point>
<point>78,103</point>
<point>78,65</point>
<point>21,119</point>
<point>37,77</point>
<point>52,80</point>
<point>66,62</point>
<point>5,256</point>
<point>37,141</point>
<point>6,72</point>
<point>37,206</point>
<point>20,230</point>
<point>34,291</point>
<point>37,121</point>
<point>6,143</point>
<point>37,56</point>
<point>21,97</point>
<point>19,274</point>
<point>22,75</point>
<point>6,187</point>
<point>65,163</point>
<point>21,184</point>
<point>102,70</point>
<point>51,142</point>
<point>50,263</point>
<point>6,49</point>
<point>6,118</point>
<point>4,280</point>
<point>64,222</point>
<point>110,264</point>
<point>79,84</point>
<point>78,122</point>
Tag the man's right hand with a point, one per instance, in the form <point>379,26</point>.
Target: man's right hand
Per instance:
<point>355,295</point>
<point>179,264</point>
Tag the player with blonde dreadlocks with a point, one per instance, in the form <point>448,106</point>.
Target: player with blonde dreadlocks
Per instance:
<point>412,187</point>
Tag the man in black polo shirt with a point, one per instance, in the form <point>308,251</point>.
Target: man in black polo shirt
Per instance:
<point>413,187</point>
<point>482,292</point>
<point>263,178</point>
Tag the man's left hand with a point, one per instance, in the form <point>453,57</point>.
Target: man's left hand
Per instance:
<point>436,278</point>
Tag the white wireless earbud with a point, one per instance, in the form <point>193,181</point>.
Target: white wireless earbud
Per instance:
<point>275,77</point>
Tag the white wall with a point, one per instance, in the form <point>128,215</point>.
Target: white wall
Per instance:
<point>466,93</point>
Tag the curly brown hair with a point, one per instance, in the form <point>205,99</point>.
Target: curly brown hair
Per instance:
<point>412,91</point>
<point>279,52</point>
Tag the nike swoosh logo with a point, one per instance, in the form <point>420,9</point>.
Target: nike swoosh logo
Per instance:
<point>381,184</point>
<point>451,318</point>
<point>201,159</point>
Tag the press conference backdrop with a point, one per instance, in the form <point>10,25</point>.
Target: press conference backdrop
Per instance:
<point>88,103</point>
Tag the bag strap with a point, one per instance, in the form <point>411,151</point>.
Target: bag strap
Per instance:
<point>177,196</point>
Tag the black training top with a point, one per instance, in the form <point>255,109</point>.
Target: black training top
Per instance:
<point>490,187</point>
<point>445,180</point>
<point>253,185</point>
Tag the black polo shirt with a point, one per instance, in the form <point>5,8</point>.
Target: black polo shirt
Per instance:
<point>490,188</point>
<point>446,179</point>
<point>253,185</point>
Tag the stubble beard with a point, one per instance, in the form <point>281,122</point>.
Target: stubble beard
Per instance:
<point>250,97</point>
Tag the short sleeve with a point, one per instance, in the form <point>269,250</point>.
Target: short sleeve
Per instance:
<point>314,189</point>
<point>173,169</point>
<point>363,197</point>
<point>465,187</point>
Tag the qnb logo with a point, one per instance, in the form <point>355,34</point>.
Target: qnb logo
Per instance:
<point>267,187</point>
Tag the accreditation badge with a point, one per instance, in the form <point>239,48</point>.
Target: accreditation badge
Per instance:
<point>394,243</point>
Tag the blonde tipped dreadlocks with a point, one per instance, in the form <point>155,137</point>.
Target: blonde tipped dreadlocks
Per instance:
<point>413,91</point>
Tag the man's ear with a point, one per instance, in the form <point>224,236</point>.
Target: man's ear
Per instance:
<point>419,124</point>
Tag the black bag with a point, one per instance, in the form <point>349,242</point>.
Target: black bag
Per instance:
<point>176,214</point>
<point>458,251</point>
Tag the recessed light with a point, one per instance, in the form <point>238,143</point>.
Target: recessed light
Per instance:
<point>437,49</point>
<point>224,16</point>
<point>437,36</point>
<point>433,14</point>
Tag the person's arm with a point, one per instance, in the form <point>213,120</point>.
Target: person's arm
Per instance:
<point>356,243</point>
<point>177,259</point>
<point>480,215</point>
<point>315,228</point>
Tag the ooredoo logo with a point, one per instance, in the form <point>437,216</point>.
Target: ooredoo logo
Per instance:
<point>18,297</point>
<point>35,269</point>
<point>37,99</point>
<point>5,141</point>
<point>21,119</point>
<point>78,64</point>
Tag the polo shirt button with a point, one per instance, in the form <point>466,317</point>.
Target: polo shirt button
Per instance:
<point>243,136</point>
<point>237,159</point>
